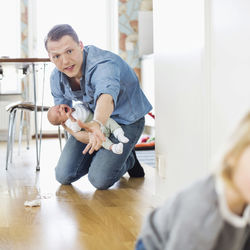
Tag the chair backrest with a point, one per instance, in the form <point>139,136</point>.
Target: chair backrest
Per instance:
<point>26,106</point>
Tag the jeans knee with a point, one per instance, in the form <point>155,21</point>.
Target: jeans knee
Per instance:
<point>100,183</point>
<point>62,178</point>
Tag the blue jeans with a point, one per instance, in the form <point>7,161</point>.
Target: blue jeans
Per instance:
<point>139,245</point>
<point>103,167</point>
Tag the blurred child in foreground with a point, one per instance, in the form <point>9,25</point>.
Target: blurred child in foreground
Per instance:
<point>211,214</point>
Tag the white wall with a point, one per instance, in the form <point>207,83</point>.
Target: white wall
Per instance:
<point>230,58</point>
<point>179,76</point>
<point>147,85</point>
<point>202,81</point>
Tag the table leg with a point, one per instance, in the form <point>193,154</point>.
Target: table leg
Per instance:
<point>36,130</point>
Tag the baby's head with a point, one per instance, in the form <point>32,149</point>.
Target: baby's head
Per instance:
<point>235,163</point>
<point>58,114</point>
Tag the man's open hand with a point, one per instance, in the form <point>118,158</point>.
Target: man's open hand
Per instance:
<point>96,137</point>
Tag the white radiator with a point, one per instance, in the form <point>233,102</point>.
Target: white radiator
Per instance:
<point>4,115</point>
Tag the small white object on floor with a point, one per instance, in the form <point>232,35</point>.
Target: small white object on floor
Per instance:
<point>37,201</point>
<point>45,196</point>
<point>33,203</point>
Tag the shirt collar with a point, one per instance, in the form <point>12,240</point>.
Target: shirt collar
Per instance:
<point>228,215</point>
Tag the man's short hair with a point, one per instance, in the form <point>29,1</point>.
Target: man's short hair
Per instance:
<point>58,31</point>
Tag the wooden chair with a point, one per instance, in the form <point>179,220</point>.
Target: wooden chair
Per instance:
<point>23,107</point>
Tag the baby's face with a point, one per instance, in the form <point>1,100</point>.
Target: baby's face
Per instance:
<point>59,113</point>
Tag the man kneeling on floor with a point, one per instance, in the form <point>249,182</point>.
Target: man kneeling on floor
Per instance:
<point>109,87</point>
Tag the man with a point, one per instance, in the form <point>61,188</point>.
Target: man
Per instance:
<point>105,84</point>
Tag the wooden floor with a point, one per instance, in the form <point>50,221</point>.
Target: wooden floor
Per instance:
<point>70,217</point>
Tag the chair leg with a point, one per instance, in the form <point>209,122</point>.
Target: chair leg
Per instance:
<point>10,135</point>
<point>20,133</point>
<point>13,135</point>
<point>28,130</point>
<point>9,140</point>
<point>66,135</point>
<point>60,137</point>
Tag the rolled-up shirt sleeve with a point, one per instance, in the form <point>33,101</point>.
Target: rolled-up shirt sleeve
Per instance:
<point>106,80</point>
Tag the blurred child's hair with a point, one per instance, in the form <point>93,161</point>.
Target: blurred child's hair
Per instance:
<point>239,140</point>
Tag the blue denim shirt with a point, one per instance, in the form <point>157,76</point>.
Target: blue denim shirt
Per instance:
<point>104,73</point>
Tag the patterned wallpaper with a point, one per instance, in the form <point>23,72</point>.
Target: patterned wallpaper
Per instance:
<point>24,28</point>
<point>128,30</point>
<point>24,54</point>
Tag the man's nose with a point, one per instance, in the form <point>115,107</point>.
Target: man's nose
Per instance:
<point>65,59</point>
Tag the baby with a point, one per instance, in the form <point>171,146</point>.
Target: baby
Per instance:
<point>58,115</point>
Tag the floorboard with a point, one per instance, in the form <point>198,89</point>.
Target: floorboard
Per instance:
<point>70,217</point>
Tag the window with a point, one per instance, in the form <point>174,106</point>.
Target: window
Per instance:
<point>91,19</point>
<point>10,44</point>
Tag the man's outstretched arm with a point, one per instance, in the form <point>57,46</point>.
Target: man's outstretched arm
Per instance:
<point>103,110</point>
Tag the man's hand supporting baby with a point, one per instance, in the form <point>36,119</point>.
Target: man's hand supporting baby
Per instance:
<point>103,110</point>
<point>93,135</point>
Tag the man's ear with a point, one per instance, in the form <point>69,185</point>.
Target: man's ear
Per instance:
<point>81,45</point>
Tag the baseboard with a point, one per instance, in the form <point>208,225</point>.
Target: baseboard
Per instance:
<point>48,136</point>
<point>4,135</point>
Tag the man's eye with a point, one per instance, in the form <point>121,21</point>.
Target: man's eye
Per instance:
<point>69,51</point>
<point>56,57</point>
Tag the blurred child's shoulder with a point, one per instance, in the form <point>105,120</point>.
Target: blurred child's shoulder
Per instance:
<point>203,184</point>
<point>199,197</point>
<point>202,188</point>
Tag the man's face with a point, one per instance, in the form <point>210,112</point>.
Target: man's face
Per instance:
<point>67,55</point>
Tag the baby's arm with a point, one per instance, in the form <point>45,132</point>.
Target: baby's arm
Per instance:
<point>72,124</point>
<point>71,117</point>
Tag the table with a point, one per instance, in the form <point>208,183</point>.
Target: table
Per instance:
<point>24,64</point>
